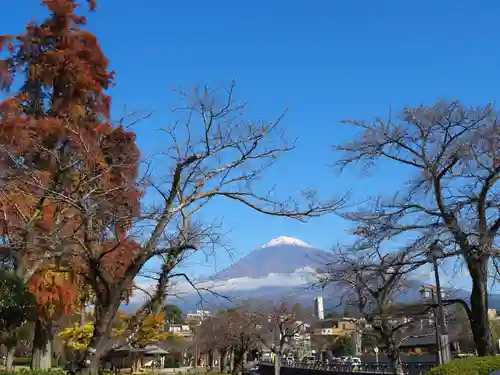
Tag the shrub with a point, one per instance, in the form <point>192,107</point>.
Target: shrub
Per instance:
<point>26,361</point>
<point>22,361</point>
<point>56,371</point>
<point>170,362</point>
<point>52,371</point>
<point>468,366</point>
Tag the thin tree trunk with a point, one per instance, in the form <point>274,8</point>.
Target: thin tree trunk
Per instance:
<point>223,361</point>
<point>232,362</point>
<point>42,346</point>
<point>395,360</point>
<point>238,362</point>
<point>10,359</point>
<point>480,324</point>
<point>82,315</point>
<point>210,359</point>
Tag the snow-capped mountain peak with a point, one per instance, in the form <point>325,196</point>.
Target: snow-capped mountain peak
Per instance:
<point>283,240</point>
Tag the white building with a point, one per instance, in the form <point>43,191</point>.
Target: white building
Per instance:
<point>181,330</point>
<point>319,309</point>
<point>198,316</point>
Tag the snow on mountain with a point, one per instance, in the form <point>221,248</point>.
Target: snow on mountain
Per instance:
<point>283,240</point>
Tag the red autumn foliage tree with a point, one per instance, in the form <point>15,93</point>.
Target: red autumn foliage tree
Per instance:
<point>59,153</point>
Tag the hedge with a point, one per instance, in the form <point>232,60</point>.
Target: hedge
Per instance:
<point>468,366</point>
<point>54,371</point>
<point>26,361</point>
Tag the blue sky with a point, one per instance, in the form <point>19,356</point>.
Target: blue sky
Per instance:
<point>324,60</point>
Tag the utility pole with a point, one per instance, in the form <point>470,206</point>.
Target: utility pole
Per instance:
<point>445,346</point>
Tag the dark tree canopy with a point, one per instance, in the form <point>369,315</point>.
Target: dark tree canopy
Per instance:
<point>17,304</point>
<point>173,314</point>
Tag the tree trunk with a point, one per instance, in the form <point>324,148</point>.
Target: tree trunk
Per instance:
<point>232,362</point>
<point>95,365</point>
<point>210,359</point>
<point>222,361</point>
<point>98,346</point>
<point>238,362</point>
<point>394,360</point>
<point>82,316</point>
<point>42,344</point>
<point>10,359</point>
<point>480,324</point>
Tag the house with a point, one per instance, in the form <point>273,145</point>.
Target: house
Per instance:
<point>337,327</point>
<point>183,330</point>
<point>197,317</point>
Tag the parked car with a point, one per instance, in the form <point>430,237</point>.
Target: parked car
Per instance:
<point>354,362</point>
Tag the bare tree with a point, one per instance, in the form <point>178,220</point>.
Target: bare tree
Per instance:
<point>451,197</point>
<point>280,323</point>
<point>214,335</point>
<point>371,281</point>
<point>243,325</point>
<point>212,152</point>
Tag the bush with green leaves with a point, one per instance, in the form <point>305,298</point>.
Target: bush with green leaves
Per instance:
<point>468,366</point>
<point>54,371</point>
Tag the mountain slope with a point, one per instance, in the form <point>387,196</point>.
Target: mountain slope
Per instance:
<point>283,255</point>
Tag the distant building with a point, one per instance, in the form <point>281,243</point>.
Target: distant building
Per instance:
<point>181,330</point>
<point>336,327</point>
<point>198,316</point>
<point>319,308</point>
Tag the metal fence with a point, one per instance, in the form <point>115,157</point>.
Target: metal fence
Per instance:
<point>361,368</point>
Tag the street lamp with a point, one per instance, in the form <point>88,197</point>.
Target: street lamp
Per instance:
<point>433,255</point>
<point>428,293</point>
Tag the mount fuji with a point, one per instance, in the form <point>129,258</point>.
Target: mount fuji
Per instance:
<point>280,256</point>
<point>284,267</point>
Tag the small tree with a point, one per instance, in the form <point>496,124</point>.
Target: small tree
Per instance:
<point>17,309</point>
<point>214,335</point>
<point>17,304</point>
<point>151,329</point>
<point>77,338</point>
<point>243,325</point>
<point>347,345</point>
<point>280,323</point>
<point>173,315</point>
